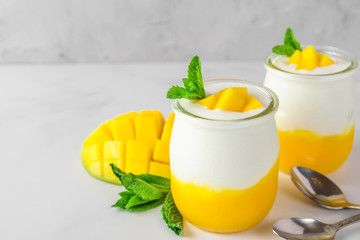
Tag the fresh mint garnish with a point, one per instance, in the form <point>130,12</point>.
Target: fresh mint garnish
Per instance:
<point>172,216</point>
<point>193,85</point>
<point>146,191</point>
<point>290,44</point>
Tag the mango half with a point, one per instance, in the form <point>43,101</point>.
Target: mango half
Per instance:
<point>137,143</point>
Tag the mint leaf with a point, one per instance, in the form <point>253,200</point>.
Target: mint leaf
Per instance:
<point>290,44</point>
<point>122,202</point>
<point>156,181</point>
<point>290,40</point>
<point>176,92</point>
<point>146,206</point>
<point>194,85</point>
<point>172,216</point>
<point>286,50</point>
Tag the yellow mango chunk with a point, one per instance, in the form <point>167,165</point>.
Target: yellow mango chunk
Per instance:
<point>157,115</point>
<point>230,100</point>
<point>306,65</point>
<point>209,101</point>
<point>93,161</point>
<point>325,60</point>
<point>295,57</point>
<point>98,136</point>
<point>242,91</point>
<point>309,54</point>
<point>251,103</point>
<point>138,156</point>
<point>114,152</point>
<point>161,152</point>
<point>159,169</point>
<point>146,129</point>
<point>166,134</point>
<point>123,126</point>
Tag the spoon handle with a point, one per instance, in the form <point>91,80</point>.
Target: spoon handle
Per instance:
<point>346,222</point>
<point>354,206</point>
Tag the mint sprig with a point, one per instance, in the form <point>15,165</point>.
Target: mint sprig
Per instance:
<point>146,191</point>
<point>193,85</point>
<point>290,44</point>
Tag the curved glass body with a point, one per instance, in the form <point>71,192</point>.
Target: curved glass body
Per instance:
<point>316,116</point>
<point>225,172</point>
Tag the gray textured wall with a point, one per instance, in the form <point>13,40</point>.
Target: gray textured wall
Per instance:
<point>168,30</point>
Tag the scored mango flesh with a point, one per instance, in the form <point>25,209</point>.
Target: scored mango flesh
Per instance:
<point>225,210</point>
<point>308,149</point>
<point>309,59</point>
<point>235,99</point>
<point>136,143</point>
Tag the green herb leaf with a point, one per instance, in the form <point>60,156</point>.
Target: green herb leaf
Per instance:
<point>132,202</point>
<point>286,50</point>
<point>172,216</point>
<point>194,85</point>
<point>290,39</point>
<point>290,44</point>
<point>156,181</point>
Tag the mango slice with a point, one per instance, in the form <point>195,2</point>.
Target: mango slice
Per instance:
<point>209,101</point>
<point>159,169</point>
<point>128,141</point>
<point>309,59</point>
<point>123,127</point>
<point>230,100</point>
<point>235,99</point>
<point>138,156</point>
<point>161,152</point>
<point>166,134</point>
<point>325,60</point>
<point>251,104</point>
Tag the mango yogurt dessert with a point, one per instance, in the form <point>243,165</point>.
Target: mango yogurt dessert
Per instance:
<point>224,155</point>
<point>316,116</point>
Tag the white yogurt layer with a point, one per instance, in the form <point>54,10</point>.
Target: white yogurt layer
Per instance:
<point>282,62</point>
<point>223,154</point>
<point>324,103</point>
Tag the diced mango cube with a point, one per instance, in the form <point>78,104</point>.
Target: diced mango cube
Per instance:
<point>325,60</point>
<point>161,152</point>
<point>309,54</point>
<point>114,151</point>
<point>166,134</point>
<point>157,115</point>
<point>242,91</point>
<point>251,103</point>
<point>295,58</point>
<point>209,101</point>
<point>98,136</point>
<point>138,156</point>
<point>306,65</point>
<point>230,100</point>
<point>123,126</point>
<point>93,161</point>
<point>146,129</point>
<point>159,169</point>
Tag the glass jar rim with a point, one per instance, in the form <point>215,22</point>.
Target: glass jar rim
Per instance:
<point>272,106</point>
<point>323,49</point>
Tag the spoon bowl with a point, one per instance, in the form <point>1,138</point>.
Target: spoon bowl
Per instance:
<point>320,189</point>
<point>307,228</point>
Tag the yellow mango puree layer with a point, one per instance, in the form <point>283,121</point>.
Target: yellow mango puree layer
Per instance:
<point>308,149</point>
<point>226,210</point>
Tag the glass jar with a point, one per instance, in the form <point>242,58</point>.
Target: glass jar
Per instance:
<point>316,116</point>
<point>224,173</point>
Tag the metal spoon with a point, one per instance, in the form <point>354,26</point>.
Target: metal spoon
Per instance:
<point>307,228</point>
<point>320,189</point>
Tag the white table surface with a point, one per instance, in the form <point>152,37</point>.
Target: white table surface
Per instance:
<point>46,111</point>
